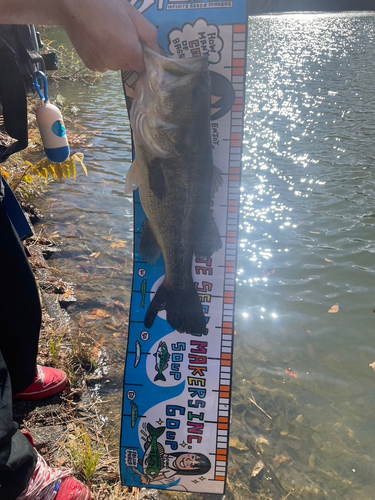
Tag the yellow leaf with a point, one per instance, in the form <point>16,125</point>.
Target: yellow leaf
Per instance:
<point>263,440</point>
<point>120,304</point>
<point>100,313</point>
<point>234,442</point>
<point>59,171</point>
<point>28,179</point>
<point>118,244</point>
<point>6,175</point>
<point>37,172</point>
<point>44,173</point>
<point>65,167</point>
<point>334,309</point>
<point>73,170</point>
<point>110,327</point>
<point>51,170</point>
<point>78,157</point>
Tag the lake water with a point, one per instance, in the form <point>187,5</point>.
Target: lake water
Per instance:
<point>307,246</point>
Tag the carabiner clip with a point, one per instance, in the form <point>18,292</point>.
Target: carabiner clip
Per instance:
<point>44,97</point>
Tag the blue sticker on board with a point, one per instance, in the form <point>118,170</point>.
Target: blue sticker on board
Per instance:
<point>58,129</point>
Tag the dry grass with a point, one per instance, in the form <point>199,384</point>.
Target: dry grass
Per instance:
<point>83,444</point>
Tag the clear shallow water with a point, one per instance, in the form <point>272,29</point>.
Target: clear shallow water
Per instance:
<point>307,243</point>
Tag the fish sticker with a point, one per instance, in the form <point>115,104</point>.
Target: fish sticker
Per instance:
<point>162,357</point>
<point>171,122</point>
<point>138,353</point>
<point>153,457</point>
<point>143,293</point>
<point>134,413</point>
<point>160,466</point>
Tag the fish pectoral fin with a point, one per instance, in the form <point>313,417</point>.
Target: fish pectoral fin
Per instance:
<point>133,178</point>
<point>149,249</point>
<point>217,181</point>
<point>208,239</point>
<point>156,178</point>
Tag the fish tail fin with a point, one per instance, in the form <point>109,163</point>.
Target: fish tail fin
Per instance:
<point>155,432</point>
<point>159,376</point>
<point>184,310</point>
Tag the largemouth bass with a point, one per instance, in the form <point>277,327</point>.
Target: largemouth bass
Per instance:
<point>173,167</point>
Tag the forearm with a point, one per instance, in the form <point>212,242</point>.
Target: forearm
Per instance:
<point>107,34</point>
<point>49,12</point>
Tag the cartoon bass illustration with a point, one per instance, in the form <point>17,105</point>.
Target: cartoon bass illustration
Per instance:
<point>162,357</point>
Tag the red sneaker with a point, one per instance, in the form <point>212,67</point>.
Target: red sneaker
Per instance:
<point>53,484</point>
<point>48,382</point>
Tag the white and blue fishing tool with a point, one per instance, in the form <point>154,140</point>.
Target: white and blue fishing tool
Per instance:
<point>51,125</point>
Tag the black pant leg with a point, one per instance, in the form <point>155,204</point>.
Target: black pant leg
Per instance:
<point>17,456</point>
<point>20,310</point>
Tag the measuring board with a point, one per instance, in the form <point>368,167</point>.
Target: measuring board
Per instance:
<point>177,387</point>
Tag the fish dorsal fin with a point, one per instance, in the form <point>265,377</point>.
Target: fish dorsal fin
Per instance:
<point>133,178</point>
<point>217,181</point>
<point>149,249</point>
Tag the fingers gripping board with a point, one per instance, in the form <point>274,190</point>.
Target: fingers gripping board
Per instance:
<point>177,386</point>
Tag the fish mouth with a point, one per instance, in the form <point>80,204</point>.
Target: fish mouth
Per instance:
<point>176,67</point>
<point>165,73</point>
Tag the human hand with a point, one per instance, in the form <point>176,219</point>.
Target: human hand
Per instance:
<point>107,33</point>
<point>145,480</point>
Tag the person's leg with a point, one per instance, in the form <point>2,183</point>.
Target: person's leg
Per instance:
<point>20,320</point>
<point>20,310</point>
<point>24,474</point>
<point>17,457</point>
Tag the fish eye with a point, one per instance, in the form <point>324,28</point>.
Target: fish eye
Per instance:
<point>199,91</point>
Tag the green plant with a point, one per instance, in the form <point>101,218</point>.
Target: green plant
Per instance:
<point>85,453</point>
<point>82,355</point>
<point>54,347</point>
